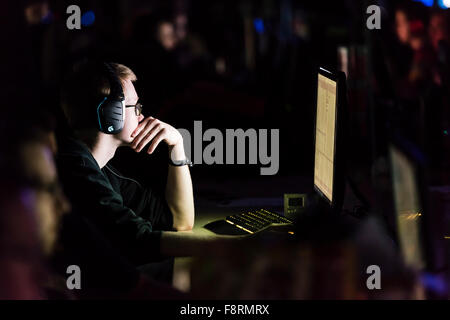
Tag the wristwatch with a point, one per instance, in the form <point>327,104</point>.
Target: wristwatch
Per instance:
<point>179,163</point>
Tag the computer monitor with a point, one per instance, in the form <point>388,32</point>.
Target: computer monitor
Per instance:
<point>419,230</point>
<point>328,152</point>
<point>408,209</point>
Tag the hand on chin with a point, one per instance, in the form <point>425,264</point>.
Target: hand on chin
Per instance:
<point>126,143</point>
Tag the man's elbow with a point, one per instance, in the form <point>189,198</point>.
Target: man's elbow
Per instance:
<point>184,226</point>
<point>183,220</point>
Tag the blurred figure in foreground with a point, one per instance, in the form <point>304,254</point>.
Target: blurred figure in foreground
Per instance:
<point>32,205</point>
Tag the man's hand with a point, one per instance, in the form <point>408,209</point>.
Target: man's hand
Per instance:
<point>154,130</point>
<point>179,194</point>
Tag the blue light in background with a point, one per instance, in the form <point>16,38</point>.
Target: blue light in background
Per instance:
<point>443,4</point>
<point>428,3</point>
<point>48,18</point>
<point>259,25</point>
<point>87,18</point>
<point>434,283</point>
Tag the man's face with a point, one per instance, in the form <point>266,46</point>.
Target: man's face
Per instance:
<point>167,36</point>
<point>50,203</point>
<point>181,21</point>
<point>437,30</point>
<point>131,120</point>
<point>402,27</point>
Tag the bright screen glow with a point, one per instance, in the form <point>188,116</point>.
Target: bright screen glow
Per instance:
<point>407,207</point>
<point>325,136</point>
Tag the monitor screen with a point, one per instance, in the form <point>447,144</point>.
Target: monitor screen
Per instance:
<point>325,136</point>
<point>407,208</point>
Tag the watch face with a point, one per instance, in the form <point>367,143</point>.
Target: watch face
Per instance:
<point>179,163</point>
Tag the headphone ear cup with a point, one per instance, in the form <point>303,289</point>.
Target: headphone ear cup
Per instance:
<point>111,111</point>
<point>111,116</point>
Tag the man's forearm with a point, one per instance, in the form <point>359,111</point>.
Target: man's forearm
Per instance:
<point>184,244</point>
<point>179,194</point>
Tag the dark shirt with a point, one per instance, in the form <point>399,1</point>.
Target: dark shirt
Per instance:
<point>104,272</point>
<point>130,216</point>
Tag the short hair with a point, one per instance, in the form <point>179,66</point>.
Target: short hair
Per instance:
<point>82,91</point>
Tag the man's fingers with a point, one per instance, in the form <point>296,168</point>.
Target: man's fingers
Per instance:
<point>143,133</point>
<point>140,132</point>
<point>150,135</point>
<point>141,125</point>
<point>156,140</point>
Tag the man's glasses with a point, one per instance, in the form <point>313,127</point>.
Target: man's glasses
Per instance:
<point>137,108</point>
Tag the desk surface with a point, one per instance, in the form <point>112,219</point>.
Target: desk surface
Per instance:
<point>216,201</point>
<point>208,211</point>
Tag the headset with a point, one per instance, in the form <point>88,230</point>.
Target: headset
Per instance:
<point>111,110</point>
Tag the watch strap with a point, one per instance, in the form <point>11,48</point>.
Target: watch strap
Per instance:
<point>179,163</point>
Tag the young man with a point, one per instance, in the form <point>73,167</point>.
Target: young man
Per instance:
<point>35,253</point>
<point>141,225</point>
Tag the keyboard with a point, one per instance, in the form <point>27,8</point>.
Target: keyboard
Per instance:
<point>255,220</point>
